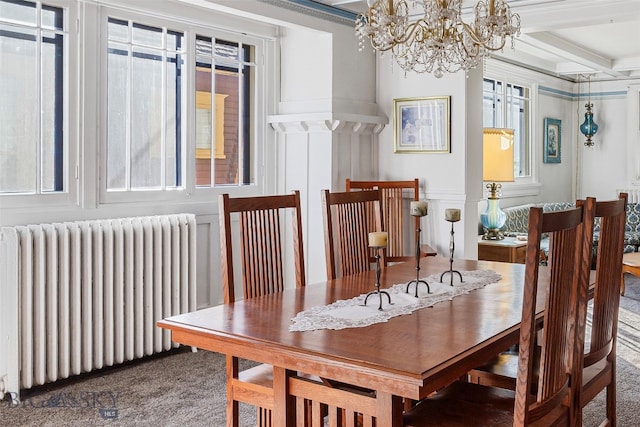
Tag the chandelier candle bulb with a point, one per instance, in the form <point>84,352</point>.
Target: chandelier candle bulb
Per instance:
<point>378,239</point>
<point>452,215</point>
<point>419,208</point>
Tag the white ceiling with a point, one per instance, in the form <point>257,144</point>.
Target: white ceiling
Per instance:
<point>599,38</point>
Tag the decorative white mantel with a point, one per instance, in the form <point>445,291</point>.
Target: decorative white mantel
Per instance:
<point>317,122</point>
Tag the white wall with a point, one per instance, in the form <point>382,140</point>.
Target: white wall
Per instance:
<point>557,179</point>
<point>609,165</point>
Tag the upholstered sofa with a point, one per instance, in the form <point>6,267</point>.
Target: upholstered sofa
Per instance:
<point>518,220</point>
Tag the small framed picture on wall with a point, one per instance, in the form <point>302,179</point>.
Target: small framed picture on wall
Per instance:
<point>552,140</point>
<point>422,125</point>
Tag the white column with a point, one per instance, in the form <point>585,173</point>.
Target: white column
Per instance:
<point>320,151</point>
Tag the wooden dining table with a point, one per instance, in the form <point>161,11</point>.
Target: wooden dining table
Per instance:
<point>409,356</point>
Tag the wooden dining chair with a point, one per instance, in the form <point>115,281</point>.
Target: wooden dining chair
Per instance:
<point>346,229</point>
<point>600,360</point>
<point>261,260</point>
<point>599,364</point>
<point>395,215</point>
<point>465,403</point>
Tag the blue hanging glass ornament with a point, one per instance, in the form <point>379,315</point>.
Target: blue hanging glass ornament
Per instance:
<point>589,127</point>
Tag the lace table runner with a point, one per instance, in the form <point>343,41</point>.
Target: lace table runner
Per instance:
<point>352,313</point>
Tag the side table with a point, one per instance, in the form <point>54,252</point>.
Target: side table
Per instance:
<point>508,249</point>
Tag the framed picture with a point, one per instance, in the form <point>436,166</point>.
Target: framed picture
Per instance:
<point>552,140</point>
<point>422,125</point>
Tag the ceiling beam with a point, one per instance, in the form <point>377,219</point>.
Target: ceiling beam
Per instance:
<point>570,52</point>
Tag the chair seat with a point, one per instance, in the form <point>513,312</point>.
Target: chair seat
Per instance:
<point>631,265</point>
<point>261,375</point>
<point>502,370</point>
<point>631,259</point>
<point>465,404</point>
<point>254,386</point>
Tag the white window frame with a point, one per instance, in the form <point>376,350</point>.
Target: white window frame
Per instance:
<point>69,195</point>
<point>190,26</point>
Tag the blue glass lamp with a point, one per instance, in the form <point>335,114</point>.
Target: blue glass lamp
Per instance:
<point>589,127</point>
<point>497,166</point>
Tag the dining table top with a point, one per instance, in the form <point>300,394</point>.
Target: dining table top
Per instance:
<point>409,355</point>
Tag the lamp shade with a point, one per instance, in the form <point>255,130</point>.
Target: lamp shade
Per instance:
<point>497,155</point>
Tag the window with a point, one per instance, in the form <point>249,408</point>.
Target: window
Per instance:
<point>148,117</point>
<point>33,158</point>
<point>506,105</point>
<point>145,104</point>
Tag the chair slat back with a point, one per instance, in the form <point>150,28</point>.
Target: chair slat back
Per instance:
<point>565,297</point>
<point>606,297</point>
<point>393,194</point>
<point>261,250</point>
<point>346,228</point>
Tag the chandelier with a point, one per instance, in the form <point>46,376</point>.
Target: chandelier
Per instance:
<point>438,41</point>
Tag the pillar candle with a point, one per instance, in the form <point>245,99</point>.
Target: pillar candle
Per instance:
<point>378,239</point>
<point>419,208</point>
<point>452,215</point>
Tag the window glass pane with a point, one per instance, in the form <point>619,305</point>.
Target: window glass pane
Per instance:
<point>31,102</point>
<point>229,168</point>
<point>118,113</point>
<point>172,122</point>
<point>227,50</point>
<point>18,111</point>
<point>224,145</point>
<point>52,110</point>
<point>51,17</point>
<point>248,113</point>
<point>146,119</point>
<point>174,40</point>
<point>146,36</point>
<point>203,48</point>
<point>204,113</point>
<point>145,93</point>
<point>23,12</point>
<point>118,30</point>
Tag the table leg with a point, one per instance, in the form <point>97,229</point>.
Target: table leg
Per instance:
<point>284,405</point>
<point>232,405</point>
